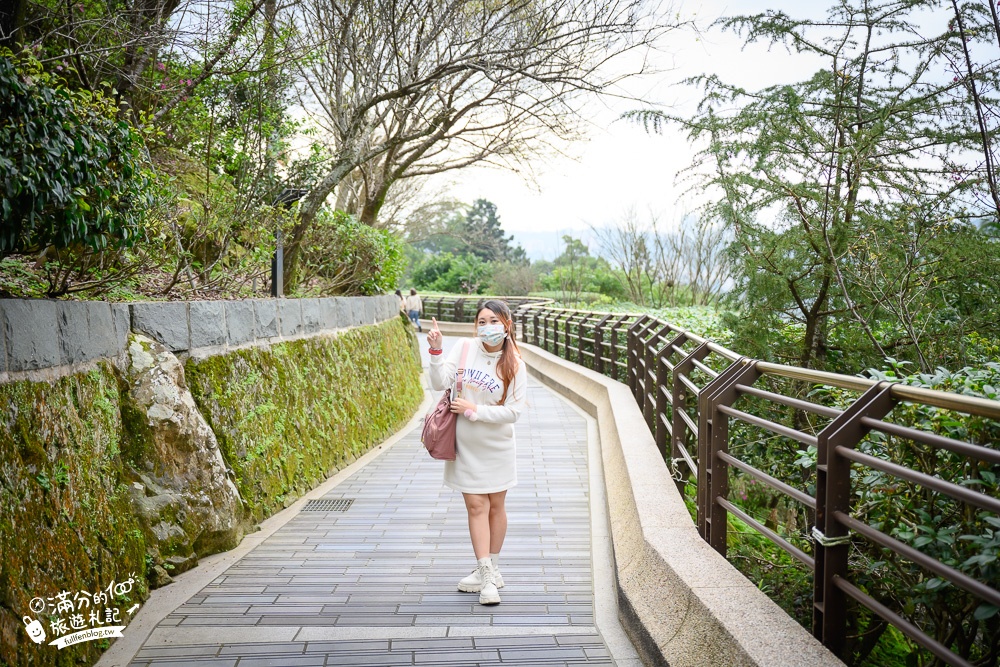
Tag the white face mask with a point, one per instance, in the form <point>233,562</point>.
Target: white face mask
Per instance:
<point>492,334</point>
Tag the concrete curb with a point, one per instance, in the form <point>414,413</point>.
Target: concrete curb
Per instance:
<point>605,588</point>
<point>680,601</point>
<point>455,328</point>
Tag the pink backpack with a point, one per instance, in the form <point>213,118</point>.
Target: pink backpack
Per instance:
<point>438,434</point>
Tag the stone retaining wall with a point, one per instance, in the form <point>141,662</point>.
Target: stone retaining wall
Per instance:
<point>122,455</point>
<point>36,334</point>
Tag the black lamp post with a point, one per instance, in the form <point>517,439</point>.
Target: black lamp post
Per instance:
<point>286,198</point>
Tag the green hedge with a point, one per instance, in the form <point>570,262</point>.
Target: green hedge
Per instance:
<point>288,416</point>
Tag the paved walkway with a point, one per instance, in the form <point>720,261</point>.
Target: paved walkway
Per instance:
<point>375,584</point>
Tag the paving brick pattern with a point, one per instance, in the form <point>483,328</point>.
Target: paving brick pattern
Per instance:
<point>387,567</point>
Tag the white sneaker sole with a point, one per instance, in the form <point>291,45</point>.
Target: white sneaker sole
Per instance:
<point>488,601</point>
<point>474,588</point>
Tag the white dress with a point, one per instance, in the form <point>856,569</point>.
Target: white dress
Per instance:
<point>485,458</point>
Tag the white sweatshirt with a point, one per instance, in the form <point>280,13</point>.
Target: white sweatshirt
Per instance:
<point>486,453</point>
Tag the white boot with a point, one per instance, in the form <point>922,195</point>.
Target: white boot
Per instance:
<point>473,583</point>
<point>488,594</point>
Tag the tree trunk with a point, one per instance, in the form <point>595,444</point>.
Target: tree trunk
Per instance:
<point>373,204</point>
<point>270,82</point>
<point>810,341</point>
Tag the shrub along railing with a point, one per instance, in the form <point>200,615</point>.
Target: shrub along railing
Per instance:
<point>882,498</point>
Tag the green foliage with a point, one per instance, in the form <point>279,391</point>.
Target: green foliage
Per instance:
<point>576,271</point>
<point>774,572</point>
<point>463,274</point>
<point>235,125</point>
<point>701,320</point>
<point>217,149</point>
<point>343,256</point>
<point>837,231</point>
<point>73,173</point>
<point>461,249</point>
<point>949,531</point>
<point>18,279</point>
<point>512,278</point>
<point>215,240</point>
<point>483,235</point>
<point>288,416</point>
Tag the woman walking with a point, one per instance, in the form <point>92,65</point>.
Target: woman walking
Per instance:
<point>414,306</point>
<point>493,396</point>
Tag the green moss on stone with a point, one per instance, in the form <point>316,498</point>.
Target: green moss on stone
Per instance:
<point>285,417</point>
<point>136,433</point>
<point>289,416</point>
<point>76,531</point>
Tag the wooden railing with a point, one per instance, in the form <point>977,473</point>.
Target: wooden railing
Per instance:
<point>693,393</point>
<point>464,308</point>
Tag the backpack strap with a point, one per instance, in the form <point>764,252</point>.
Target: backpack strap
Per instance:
<point>460,373</point>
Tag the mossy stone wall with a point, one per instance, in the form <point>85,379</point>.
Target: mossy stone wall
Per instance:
<point>66,519</point>
<point>288,416</point>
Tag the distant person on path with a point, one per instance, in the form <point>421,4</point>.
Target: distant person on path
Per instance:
<point>402,301</point>
<point>414,306</point>
<point>493,396</point>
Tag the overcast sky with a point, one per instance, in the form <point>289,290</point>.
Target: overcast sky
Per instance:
<point>620,165</point>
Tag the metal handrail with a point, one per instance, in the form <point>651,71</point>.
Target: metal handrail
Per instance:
<point>686,387</point>
<point>434,305</point>
<point>958,402</point>
<point>981,407</point>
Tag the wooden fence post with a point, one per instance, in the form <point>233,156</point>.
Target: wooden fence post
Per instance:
<point>713,437</point>
<point>599,344</point>
<point>833,494</point>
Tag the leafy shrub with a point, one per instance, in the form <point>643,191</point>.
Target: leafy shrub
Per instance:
<point>572,280</point>
<point>513,279</point>
<point>73,173</point>
<point>952,532</point>
<point>455,274</point>
<point>343,256</point>
<point>583,300</point>
<point>704,321</point>
<point>217,241</point>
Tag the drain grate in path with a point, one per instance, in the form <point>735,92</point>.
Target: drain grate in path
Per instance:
<point>328,505</point>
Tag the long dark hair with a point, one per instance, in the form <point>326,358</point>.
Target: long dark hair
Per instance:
<point>509,354</point>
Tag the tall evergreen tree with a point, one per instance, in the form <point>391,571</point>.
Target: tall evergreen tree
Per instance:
<point>854,195</point>
<point>484,236</point>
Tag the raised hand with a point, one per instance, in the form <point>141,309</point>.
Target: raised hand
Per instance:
<point>434,335</point>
